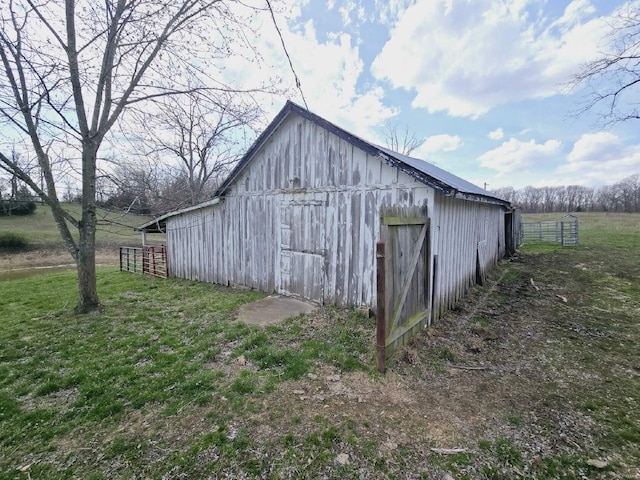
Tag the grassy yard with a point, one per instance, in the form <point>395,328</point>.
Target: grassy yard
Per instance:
<point>534,375</point>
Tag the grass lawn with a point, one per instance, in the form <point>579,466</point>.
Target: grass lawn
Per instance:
<point>534,375</point>
<point>163,381</point>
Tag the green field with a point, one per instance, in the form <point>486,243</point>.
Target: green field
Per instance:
<point>534,375</point>
<point>115,228</point>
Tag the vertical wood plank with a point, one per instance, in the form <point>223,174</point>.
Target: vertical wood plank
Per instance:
<point>381,319</point>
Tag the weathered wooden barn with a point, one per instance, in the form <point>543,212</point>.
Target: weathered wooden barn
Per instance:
<point>303,210</point>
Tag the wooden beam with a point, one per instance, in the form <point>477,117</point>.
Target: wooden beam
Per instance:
<point>381,320</point>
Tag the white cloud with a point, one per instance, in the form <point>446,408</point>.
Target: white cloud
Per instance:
<point>329,72</point>
<point>465,58</point>
<point>600,158</point>
<point>437,143</point>
<point>345,11</point>
<point>349,8</point>
<point>516,155</point>
<point>390,10</point>
<point>328,66</point>
<point>574,12</point>
<point>595,147</point>
<point>496,134</point>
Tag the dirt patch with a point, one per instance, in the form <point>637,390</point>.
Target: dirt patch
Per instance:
<point>272,310</point>
<point>493,378</point>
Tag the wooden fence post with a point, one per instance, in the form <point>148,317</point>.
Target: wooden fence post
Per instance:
<point>381,321</point>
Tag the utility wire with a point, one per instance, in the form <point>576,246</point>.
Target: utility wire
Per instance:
<point>284,47</point>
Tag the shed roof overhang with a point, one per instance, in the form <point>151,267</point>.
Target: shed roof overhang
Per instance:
<point>159,224</point>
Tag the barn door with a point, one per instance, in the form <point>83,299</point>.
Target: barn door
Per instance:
<point>302,254</point>
<point>403,277</point>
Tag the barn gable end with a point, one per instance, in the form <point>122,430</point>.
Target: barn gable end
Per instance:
<point>300,215</point>
<point>301,219</point>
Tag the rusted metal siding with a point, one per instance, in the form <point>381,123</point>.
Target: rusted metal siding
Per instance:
<point>468,239</point>
<point>301,219</point>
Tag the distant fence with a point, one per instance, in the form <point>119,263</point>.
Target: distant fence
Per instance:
<point>565,231</point>
<point>149,260</point>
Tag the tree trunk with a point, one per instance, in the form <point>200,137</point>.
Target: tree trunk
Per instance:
<point>86,265</point>
<point>86,260</point>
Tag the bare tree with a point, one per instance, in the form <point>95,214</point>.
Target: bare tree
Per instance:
<point>206,134</point>
<point>629,190</point>
<point>613,79</point>
<point>506,193</point>
<point>71,70</point>
<point>401,140</point>
<point>135,187</point>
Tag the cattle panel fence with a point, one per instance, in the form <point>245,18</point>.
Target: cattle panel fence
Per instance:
<point>564,231</point>
<point>148,260</point>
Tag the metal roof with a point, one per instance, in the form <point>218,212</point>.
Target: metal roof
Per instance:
<point>448,178</point>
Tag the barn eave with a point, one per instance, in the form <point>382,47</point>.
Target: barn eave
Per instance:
<point>159,224</point>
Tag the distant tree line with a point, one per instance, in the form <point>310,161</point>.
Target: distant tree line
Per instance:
<point>623,196</point>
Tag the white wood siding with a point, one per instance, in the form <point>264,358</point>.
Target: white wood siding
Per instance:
<point>464,234</point>
<point>303,219</point>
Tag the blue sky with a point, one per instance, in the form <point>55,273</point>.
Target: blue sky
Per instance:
<point>482,81</point>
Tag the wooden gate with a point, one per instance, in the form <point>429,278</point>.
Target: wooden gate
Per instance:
<point>402,260</point>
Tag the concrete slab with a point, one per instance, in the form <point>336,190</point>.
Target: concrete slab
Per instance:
<point>272,309</point>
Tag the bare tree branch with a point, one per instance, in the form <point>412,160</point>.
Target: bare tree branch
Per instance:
<point>399,141</point>
<point>611,80</point>
<point>201,133</point>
